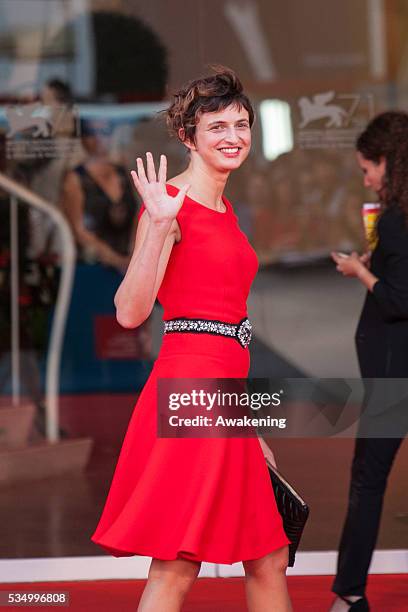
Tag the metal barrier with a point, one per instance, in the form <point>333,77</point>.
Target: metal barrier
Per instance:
<point>18,192</point>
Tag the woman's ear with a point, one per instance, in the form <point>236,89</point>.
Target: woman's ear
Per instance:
<point>182,136</point>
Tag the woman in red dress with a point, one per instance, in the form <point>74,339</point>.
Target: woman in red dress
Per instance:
<point>186,500</point>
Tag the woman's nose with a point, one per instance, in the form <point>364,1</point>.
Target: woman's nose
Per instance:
<point>231,135</point>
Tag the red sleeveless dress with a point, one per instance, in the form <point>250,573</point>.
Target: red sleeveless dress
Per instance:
<point>202,499</point>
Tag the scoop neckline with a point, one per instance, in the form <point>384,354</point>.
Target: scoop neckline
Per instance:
<point>217,212</point>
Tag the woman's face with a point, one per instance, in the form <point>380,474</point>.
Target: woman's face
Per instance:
<point>223,138</point>
<point>96,145</point>
<point>373,172</point>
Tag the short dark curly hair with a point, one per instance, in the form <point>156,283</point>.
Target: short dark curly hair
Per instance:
<point>386,136</point>
<point>207,94</point>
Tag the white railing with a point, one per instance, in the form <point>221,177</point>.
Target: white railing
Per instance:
<point>68,258</point>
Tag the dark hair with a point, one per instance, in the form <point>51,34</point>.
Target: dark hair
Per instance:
<point>386,136</point>
<point>61,89</point>
<point>207,94</point>
<point>95,127</point>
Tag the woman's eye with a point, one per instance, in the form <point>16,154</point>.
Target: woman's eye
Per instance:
<point>216,127</point>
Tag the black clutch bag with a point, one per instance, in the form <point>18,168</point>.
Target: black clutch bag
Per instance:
<point>292,507</point>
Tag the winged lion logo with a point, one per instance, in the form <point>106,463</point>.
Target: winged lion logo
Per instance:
<point>318,108</point>
<point>24,117</point>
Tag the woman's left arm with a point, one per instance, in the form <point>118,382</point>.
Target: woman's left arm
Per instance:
<point>353,265</point>
<point>391,291</point>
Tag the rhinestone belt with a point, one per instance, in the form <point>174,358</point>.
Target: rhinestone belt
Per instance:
<point>242,331</point>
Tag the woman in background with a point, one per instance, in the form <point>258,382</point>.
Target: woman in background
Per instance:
<point>382,343</point>
<point>98,200</point>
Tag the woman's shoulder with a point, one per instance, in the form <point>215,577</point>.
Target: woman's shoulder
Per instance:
<point>121,169</point>
<point>174,184</point>
<point>393,218</point>
<point>172,188</point>
<point>393,228</point>
<point>74,177</point>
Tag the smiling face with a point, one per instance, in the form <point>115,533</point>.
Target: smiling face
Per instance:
<point>373,172</point>
<point>222,139</point>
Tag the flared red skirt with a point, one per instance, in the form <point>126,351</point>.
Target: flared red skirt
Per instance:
<point>203,499</point>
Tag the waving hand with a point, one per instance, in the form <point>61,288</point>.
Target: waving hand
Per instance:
<point>152,189</point>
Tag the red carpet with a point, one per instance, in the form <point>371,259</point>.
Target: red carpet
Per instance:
<point>387,593</point>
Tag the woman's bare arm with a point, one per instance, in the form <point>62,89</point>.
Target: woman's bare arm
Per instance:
<point>134,300</point>
<point>155,238</point>
<point>355,266</point>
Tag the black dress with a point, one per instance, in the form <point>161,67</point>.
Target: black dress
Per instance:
<point>382,332</point>
<point>111,221</point>
<point>382,349</point>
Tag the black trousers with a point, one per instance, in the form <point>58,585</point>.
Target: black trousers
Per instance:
<point>372,462</point>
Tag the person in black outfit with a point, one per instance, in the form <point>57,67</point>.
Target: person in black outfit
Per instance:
<point>98,201</point>
<point>381,341</point>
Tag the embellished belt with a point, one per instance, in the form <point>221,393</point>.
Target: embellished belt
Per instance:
<point>242,331</point>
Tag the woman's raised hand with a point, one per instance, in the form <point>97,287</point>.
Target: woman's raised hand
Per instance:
<point>152,189</point>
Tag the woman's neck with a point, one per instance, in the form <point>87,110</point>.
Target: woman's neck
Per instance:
<point>100,165</point>
<point>207,186</point>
